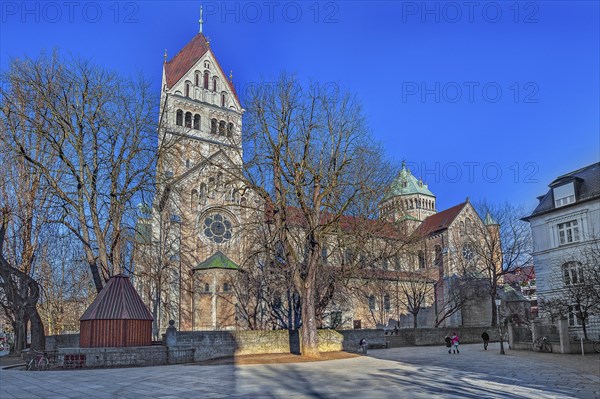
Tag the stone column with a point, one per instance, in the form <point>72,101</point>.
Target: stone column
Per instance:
<point>563,331</point>
<point>511,336</point>
<point>171,334</point>
<point>535,329</point>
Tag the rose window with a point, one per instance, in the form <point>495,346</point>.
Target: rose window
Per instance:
<point>217,228</point>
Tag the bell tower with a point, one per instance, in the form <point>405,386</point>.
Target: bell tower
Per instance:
<point>407,199</point>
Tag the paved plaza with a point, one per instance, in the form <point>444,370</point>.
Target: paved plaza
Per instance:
<point>423,372</point>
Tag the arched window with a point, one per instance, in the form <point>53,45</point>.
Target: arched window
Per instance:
<point>243,203</point>
<point>187,89</point>
<point>214,83</point>
<point>230,129</point>
<point>213,126</point>
<point>179,118</point>
<point>197,122</point>
<point>206,80</point>
<point>386,303</point>
<point>194,199</point>
<point>211,187</point>
<point>203,191</point>
<point>462,227</point>
<point>188,119</point>
<point>197,79</point>
<point>223,95</point>
<point>438,255</point>
<point>187,163</point>
<point>371,302</point>
<point>219,179</point>
<point>421,260</point>
<point>468,225</point>
<point>222,128</point>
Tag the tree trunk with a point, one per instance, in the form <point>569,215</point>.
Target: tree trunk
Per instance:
<point>310,340</point>
<point>38,337</point>
<point>585,336</point>
<point>494,312</point>
<point>415,320</point>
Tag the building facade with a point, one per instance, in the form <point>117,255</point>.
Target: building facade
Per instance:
<point>565,228</point>
<point>192,241</point>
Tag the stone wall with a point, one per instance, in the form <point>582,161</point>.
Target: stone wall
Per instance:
<point>53,342</point>
<point>214,344</point>
<point>435,336</point>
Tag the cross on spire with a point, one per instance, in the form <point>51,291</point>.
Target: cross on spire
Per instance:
<point>201,21</point>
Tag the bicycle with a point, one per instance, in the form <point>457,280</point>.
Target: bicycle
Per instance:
<point>38,362</point>
<point>597,345</point>
<point>543,345</point>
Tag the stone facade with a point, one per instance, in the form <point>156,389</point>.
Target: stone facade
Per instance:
<point>202,209</point>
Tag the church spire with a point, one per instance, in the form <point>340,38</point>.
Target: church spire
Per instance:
<point>201,21</point>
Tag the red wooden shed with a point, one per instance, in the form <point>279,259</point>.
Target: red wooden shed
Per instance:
<point>117,317</point>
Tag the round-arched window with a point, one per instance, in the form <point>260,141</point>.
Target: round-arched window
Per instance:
<point>467,252</point>
<point>217,228</point>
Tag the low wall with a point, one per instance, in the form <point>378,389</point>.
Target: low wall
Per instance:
<point>53,342</point>
<point>214,344</point>
<point>435,336</point>
<point>117,357</point>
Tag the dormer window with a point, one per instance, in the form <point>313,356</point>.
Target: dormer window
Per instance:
<point>564,195</point>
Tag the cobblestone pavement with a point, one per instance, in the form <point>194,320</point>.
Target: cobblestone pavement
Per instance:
<point>423,372</point>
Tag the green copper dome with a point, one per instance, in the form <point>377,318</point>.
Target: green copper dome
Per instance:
<point>407,184</point>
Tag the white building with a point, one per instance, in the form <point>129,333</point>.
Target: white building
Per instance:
<point>565,228</point>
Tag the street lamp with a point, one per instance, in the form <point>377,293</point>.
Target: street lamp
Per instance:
<point>498,301</point>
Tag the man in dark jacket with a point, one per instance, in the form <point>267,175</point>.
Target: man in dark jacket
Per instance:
<point>486,339</point>
<point>448,343</point>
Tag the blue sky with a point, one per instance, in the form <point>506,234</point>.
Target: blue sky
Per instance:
<point>491,100</point>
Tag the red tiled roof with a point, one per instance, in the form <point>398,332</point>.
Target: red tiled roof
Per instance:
<point>521,274</point>
<point>378,227</point>
<point>440,221</point>
<point>118,300</point>
<point>185,59</point>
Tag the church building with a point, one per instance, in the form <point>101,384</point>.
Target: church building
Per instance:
<point>190,246</point>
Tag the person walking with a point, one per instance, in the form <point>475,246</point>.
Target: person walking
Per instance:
<point>455,341</point>
<point>448,344</point>
<point>486,339</point>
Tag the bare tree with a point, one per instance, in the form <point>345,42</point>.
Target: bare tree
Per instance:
<point>101,130</point>
<point>24,212</point>
<point>575,289</point>
<point>500,245</point>
<point>309,160</point>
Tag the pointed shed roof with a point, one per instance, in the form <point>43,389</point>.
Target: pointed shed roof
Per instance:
<point>185,59</point>
<point>118,300</point>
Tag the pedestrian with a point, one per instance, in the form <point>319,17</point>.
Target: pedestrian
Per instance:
<point>486,339</point>
<point>455,341</point>
<point>448,344</point>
